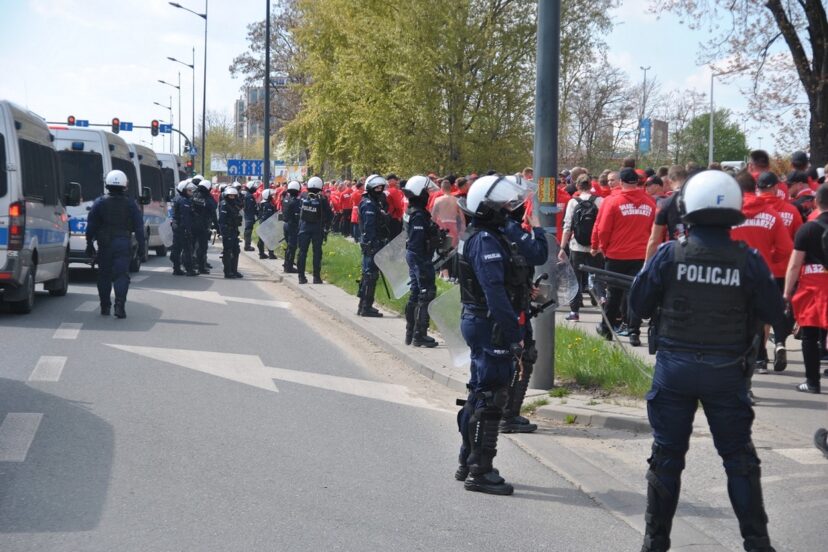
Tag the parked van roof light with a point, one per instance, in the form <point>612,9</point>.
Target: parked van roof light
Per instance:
<point>77,146</point>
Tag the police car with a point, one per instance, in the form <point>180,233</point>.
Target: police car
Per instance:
<point>34,227</point>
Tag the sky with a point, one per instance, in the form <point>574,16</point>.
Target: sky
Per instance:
<point>99,59</point>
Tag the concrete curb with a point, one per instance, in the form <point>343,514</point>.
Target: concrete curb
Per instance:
<point>593,418</point>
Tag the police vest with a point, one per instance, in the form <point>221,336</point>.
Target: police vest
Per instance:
<point>517,278</point>
<point>311,211</point>
<point>705,302</point>
<point>432,232</point>
<point>289,210</point>
<point>382,219</point>
<point>116,218</point>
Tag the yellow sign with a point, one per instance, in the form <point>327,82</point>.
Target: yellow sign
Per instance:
<point>547,190</point>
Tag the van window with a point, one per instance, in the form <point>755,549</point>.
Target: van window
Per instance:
<point>167,180</point>
<point>39,172</point>
<point>85,168</point>
<point>4,179</point>
<point>151,178</point>
<point>128,168</point>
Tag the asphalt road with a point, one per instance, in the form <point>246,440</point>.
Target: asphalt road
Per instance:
<point>232,415</point>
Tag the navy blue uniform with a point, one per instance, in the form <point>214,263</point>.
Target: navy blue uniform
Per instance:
<point>111,222</point>
<point>266,210</point>
<point>229,221</point>
<point>423,238</point>
<point>373,225</point>
<point>291,210</point>
<point>204,220</point>
<point>690,370</point>
<point>314,222</point>
<point>251,211</point>
<point>182,226</point>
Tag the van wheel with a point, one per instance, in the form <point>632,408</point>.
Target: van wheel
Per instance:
<point>161,251</point>
<point>26,305</point>
<point>59,287</point>
<point>135,262</point>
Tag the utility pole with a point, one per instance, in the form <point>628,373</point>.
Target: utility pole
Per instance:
<point>710,137</point>
<point>266,168</point>
<point>546,167</point>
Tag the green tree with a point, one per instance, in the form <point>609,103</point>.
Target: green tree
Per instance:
<point>729,142</point>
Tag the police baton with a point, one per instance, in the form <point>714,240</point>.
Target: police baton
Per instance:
<point>609,278</point>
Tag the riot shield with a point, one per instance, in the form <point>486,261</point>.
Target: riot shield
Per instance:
<point>445,312</point>
<point>271,232</point>
<point>391,261</point>
<point>165,232</point>
<point>566,282</point>
<point>560,281</point>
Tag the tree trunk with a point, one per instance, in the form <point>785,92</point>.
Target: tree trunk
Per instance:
<point>818,130</point>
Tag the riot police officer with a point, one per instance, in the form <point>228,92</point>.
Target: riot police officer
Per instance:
<point>251,212</point>
<point>111,222</point>
<point>229,221</point>
<point>423,239</point>
<point>204,220</point>
<point>490,291</point>
<point>374,225</point>
<point>708,297</point>
<point>314,222</point>
<point>266,210</point>
<point>291,210</point>
<point>182,226</point>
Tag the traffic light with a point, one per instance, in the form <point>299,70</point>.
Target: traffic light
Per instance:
<point>116,125</point>
<point>154,127</point>
<point>70,120</point>
<point>190,167</point>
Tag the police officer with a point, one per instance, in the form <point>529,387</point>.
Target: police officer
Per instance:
<point>708,298</point>
<point>291,210</point>
<point>490,324</point>
<point>230,218</point>
<point>204,220</point>
<point>182,226</point>
<point>251,212</point>
<point>314,222</point>
<point>374,231</point>
<point>266,210</point>
<point>111,222</point>
<point>423,240</point>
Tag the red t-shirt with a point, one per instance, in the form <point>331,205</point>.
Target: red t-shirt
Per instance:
<point>623,226</point>
<point>396,202</point>
<point>765,231</point>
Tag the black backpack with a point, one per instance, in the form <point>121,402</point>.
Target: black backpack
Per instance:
<point>583,219</point>
<point>824,242</point>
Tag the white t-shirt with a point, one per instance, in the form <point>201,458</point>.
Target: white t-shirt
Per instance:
<point>567,225</point>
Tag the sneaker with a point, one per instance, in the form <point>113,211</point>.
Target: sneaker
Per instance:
<point>806,387</point>
<point>821,440</point>
<point>489,483</point>
<point>623,330</point>
<point>573,317</point>
<point>602,330</point>
<point>635,340</point>
<point>761,366</point>
<point>780,358</point>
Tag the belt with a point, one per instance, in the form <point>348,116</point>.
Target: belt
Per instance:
<point>481,312</point>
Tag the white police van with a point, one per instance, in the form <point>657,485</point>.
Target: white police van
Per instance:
<point>155,212</point>
<point>34,227</point>
<point>86,156</point>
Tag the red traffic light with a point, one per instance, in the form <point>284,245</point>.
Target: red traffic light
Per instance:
<point>154,127</point>
<point>116,125</point>
<point>70,120</point>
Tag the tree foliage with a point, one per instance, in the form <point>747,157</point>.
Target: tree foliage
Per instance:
<point>729,142</point>
<point>783,46</point>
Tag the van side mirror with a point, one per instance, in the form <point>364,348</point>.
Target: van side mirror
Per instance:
<point>73,195</point>
<point>171,195</point>
<point>146,196</point>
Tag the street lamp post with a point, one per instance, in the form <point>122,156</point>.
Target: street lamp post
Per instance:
<point>169,108</point>
<point>204,85</point>
<point>266,169</point>
<point>179,104</point>
<point>192,67</point>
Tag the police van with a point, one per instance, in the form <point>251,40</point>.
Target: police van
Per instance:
<point>34,228</point>
<point>155,212</point>
<point>173,171</point>
<point>86,156</point>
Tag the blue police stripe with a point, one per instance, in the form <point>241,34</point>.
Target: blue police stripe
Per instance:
<point>4,236</point>
<point>44,236</point>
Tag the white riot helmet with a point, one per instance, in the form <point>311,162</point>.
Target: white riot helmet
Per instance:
<point>182,186</point>
<point>191,187</point>
<point>375,181</point>
<point>266,194</point>
<point>253,185</point>
<point>315,183</point>
<point>711,198</point>
<point>230,191</point>
<point>418,186</point>
<point>293,185</point>
<point>489,194</point>
<point>116,179</point>
<point>196,179</point>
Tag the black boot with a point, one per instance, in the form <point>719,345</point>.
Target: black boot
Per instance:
<point>744,487</point>
<point>512,421</point>
<point>105,308</point>
<point>317,279</point>
<point>289,269</point>
<point>177,270</point>
<point>366,305</point>
<point>120,312</point>
<point>410,312</point>
<point>302,279</point>
<point>271,255</point>
<point>663,489</point>
<point>483,429</point>
<point>421,338</point>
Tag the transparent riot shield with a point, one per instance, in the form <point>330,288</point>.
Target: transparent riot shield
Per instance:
<point>271,232</point>
<point>391,261</point>
<point>560,280</point>
<point>165,232</point>
<point>445,312</point>
<point>566,282</point>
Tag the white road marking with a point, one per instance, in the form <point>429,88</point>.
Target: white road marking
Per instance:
<point>88,306</point>
<point>139,278</point>
<point>250,370</point>
<point>48,368</point>
<point>807,456</point>
<point>67,330</point>
<point>16,435</point>
<point>218,299</point>
<point>262,302</point>
<point>155,269</point>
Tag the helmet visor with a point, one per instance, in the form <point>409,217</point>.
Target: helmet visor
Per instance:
<point>506,193</point>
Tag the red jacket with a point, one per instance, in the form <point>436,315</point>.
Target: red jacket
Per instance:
<point>623,226</point>
<point>561,201</point>
<point>764,230</point>
<point>356,197</point>
<point>336,201</point>
<point>791,216</point>
<point>345,199</point>
<point>396,202</point>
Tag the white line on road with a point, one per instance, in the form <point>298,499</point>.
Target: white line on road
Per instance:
<point>262,302</point>
<point>154,269</point>
<point>87,306</point>
<point>48,368</point>
<point>67,330</point>
<point>806,456</point>
<point>139,278</point>
<point>16,435</point>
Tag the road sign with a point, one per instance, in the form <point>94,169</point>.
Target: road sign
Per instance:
<point>126,127</point>
<point>193,151</point>
<point>244,167</point>
<point>82,123</point>
<point>165,129</point>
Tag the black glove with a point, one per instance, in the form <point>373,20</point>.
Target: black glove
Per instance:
<point>90,250</point>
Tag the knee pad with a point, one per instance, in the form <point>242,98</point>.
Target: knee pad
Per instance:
<point>426,296</point>
<point>665,470</point>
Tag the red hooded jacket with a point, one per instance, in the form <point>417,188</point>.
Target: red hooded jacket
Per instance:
<point>623,226</point>
<point>765,231</point>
